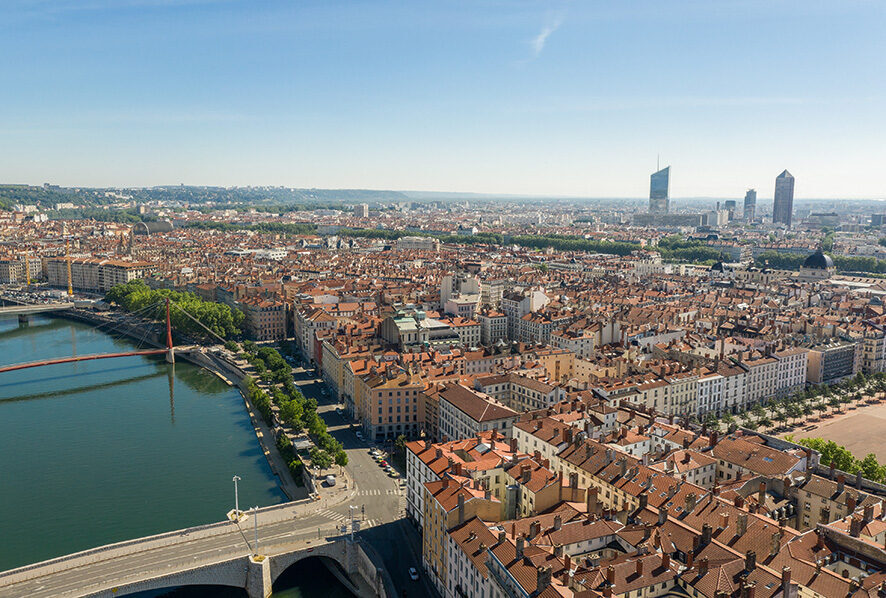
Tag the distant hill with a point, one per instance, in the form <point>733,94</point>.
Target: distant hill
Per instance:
<point>48,196</point>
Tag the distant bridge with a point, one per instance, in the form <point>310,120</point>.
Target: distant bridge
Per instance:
<point>215,554</point>
<point>29,309</point>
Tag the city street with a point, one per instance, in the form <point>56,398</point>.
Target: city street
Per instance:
<point>396,541</point>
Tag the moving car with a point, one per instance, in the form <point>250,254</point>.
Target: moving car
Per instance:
<point>413,574</point>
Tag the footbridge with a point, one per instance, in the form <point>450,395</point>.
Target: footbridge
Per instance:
<point>222,553</point>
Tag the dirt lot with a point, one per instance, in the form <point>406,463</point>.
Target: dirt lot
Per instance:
<point>862,431</point>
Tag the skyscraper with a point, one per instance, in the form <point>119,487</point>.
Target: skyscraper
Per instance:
<point>783,205</point>
<point>750,205</point>
<point>659,184</point>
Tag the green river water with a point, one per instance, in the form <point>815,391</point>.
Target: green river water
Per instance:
<point>102,451</point>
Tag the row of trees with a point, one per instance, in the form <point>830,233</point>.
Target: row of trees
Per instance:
<point>135,295</point>
<point>803,404</point>
<point>831,452</point>
<point>295,410</point>
<point>286,228</point>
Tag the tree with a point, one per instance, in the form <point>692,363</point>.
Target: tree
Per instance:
<point>832,452</point>
<point>871,469</point>
<point>834,401</point>
<point>400,445</point>
<point>781,416</point>
<point>320,458</point>
<point>341,458</point>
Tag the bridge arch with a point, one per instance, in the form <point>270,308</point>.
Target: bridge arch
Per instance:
<point>334,551</point>
<point>233,573</point>
<point>215,590</point>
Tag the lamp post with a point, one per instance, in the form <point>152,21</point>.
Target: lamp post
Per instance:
<point>255,519</point>
<point>236,497</point>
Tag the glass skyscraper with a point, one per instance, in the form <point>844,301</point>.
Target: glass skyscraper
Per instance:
<point>750,205</point>
<point>659,185</point>
<point>783,205</point>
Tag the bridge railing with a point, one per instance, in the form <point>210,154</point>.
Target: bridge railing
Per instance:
<point>277,513</point>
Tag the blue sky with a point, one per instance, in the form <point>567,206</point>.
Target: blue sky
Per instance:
<point>557,98</point>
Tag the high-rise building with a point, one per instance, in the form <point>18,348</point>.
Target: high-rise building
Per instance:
<point>659,184</point>
<point>729,205</point>
<point>361,210</point>
<point>783,205</point>
<point>750,205</point>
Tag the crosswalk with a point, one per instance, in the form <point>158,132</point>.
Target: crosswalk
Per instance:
<point>343,519</point>
<point>377,492</point>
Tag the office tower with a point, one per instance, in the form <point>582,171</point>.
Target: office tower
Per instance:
<point>750,205</point>
<point>659,183</point>
<point>729,205</point>
<point>361,210</point>
<point>783,205</point>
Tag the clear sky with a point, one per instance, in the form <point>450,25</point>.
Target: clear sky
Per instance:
<point>556,98</point>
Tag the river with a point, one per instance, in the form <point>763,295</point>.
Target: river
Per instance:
<point>102,451</point>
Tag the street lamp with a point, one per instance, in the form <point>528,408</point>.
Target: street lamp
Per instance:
<point>255,519</point>
<point>236,497</point>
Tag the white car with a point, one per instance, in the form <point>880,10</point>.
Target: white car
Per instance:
<point>330,480</point>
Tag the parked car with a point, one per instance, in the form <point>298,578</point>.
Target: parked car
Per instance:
<point>330,480</point>
<point>383,463</point>
<point>413,574</point>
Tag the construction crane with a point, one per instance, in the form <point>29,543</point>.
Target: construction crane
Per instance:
<point>68,263</point>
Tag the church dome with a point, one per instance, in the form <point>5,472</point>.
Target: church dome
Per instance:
<point>818,261</point>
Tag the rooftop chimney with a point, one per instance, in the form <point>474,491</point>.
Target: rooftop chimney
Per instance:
<point>868,514</point>
<point>703,567</point>
<point>662,515</point>
<point>858,479</point>
<point>610,575</point>
<point>750,561</point>
<point>542,579</point>
<point>706,532</point>
<point>831,470</point>
<point>558,522</point>
<point>851,503</point>
<point>841,483</point>
<point>666,561</point>
<point>785,579</point>
<point>855,527</point>
<point>741,524</point>
<point>724,520</point>
<point>461,508</point>
<point>690,501</point>
<point>640,567</point>
<point>520,545</point>
<point>749,589</point>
